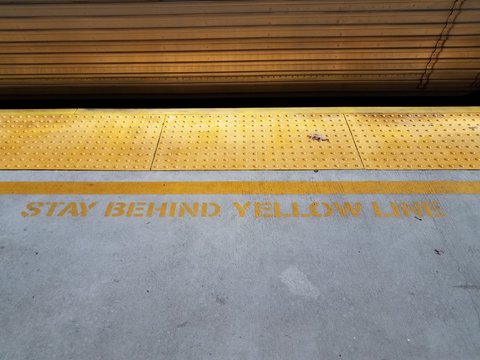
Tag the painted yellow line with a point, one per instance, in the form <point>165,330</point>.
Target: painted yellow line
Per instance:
<point>240,187</point>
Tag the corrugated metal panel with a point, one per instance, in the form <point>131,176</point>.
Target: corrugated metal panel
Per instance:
<point>176,47</point>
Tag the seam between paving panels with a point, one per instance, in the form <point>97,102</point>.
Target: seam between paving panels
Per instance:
<point>164,117</point>
<point>159,143</point>
<point>354,142</point>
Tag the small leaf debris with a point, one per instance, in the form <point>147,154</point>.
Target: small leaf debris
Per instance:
<point>318,137</point>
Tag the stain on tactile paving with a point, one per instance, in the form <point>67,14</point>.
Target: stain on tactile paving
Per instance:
<point>260,140</point>
<point>318,137</point>
<point>417,141</point>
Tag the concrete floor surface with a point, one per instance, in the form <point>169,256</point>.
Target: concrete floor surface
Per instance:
<point>314,276</point>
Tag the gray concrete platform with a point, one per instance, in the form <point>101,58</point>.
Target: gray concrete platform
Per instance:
<point>235,281</point>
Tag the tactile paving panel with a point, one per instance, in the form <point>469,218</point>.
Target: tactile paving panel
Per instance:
<point>78,142</point>
<point>417,141</point>
<point>255,141</point>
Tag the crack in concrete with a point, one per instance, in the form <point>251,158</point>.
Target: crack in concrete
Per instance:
<point>474,304</point>
<point>447,243</point>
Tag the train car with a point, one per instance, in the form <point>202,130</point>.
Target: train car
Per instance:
<point>187,49</point>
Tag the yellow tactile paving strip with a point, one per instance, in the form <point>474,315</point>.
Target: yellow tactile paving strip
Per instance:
<point>255,141</point>
<point>78,142</point>
<point>241,139</point>
<point>417,141</point>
